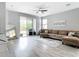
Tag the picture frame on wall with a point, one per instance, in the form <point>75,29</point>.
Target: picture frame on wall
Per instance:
<point>59,23</point>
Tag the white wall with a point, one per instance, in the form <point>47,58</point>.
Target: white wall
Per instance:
<point>2,17</point>
<point>71,17</point>
<point>6,17</point>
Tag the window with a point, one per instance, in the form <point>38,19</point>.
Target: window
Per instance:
<point>44,23</point>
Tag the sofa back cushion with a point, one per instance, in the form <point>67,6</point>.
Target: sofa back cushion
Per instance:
<point>63,32</point>
<point>55,31</point>
<point>46,31</point>
<point>43,30</point>
<point>50,31</point>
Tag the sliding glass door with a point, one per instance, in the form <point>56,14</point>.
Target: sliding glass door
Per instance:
<point>25,25</point>
<point>29,25</point>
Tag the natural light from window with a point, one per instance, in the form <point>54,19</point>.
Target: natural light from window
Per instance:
<point>44,23</point>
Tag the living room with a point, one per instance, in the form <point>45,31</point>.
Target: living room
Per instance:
<point>39,29</point>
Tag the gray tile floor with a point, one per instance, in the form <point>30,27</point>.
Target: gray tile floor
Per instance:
<point>34,46</point>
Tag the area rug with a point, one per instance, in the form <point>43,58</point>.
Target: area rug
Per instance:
<point>50,42</point>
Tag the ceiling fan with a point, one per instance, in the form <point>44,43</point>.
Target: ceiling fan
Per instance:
<point>41,10</point>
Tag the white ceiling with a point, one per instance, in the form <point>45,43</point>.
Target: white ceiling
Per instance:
<point>52,7</point>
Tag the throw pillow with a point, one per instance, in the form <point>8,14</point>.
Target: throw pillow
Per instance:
<point>76,34</point>
<point>71,33</point>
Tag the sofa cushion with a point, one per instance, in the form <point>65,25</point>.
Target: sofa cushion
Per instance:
<point>54,32</point>
<point>63,32</point>
<point>71,40</point>
<point>56,36</point>
<point>44,31</point>
<point>50,31</point>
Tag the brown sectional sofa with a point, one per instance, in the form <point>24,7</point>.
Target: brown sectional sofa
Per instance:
<point>60,35</point>
<point>56,34</point>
